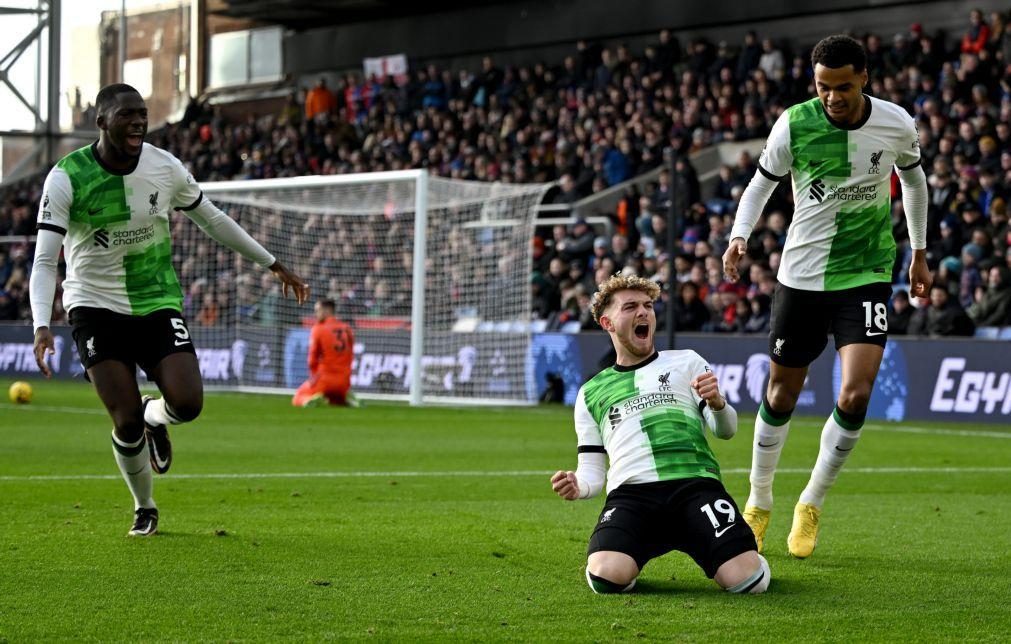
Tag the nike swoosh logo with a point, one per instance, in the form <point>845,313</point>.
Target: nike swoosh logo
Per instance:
<point>839,449</point>
<point>871,334</point>
<point>135,473</point>
<point>769,445</point>
<point>719,533</point>
<point>161,463</point>
<point>95,211</point>
<point>180,343</point>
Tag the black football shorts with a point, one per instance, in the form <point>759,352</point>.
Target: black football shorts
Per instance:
<point>696,516</point>
<point>802,321</point>
<point>136,340</point>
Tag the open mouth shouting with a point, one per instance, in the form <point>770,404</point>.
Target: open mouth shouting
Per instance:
<point>641,330</point>
<point>135,139</point>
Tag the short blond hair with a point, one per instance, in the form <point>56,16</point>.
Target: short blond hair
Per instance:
<point>605,293</point>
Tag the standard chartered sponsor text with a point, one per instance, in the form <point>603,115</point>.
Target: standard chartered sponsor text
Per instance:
<point>132,236</point>
<point>853,193</point>
<point>646,401</point>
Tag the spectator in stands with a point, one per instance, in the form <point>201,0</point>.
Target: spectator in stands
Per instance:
<point>6,265</point>
<point>208,313</point>
<point>725,303</point>
<point>772,61</point>
<point>542,256</point>
<point>943,317</point>
<point>761,314</point>
<point>994,307</point>
<point>970,277</point>
<point>577,245</point>
<point>319,100</point>
<point>543,296</point>
<point>619,250</point>
<point>568,191</point>
<point>749,57</point>
<point>601,252</point>
<point>690,313</point>
<point>900,312</point>
<point>976,37</point>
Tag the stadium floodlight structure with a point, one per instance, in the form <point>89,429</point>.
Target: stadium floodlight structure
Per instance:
<point>433,274</point>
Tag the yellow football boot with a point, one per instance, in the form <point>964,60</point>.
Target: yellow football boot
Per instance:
<point>804,534</point>
<point>758,520</point>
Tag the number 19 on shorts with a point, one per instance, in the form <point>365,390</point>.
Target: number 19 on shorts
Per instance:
<point>725,510</point>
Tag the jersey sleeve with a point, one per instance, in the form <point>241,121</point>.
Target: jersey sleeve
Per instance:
<point>187,194</point>
<point>57,198</point>
<point>314,347</point>
<point>776,158</point>
<point>699,366</point>
<point>908,156</point>
<point>588,438</point>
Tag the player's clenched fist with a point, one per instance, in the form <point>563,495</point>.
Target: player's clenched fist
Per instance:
<point>708,389</point>
<point>565,485</point>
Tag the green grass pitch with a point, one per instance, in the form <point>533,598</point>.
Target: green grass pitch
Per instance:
<point>433,524</point>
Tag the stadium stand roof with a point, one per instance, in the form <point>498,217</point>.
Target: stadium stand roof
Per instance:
<point>301,14</point>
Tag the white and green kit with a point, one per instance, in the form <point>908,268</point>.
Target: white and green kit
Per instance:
<point>115,232</point>
<point>841,234</point>
<point>649,420</point>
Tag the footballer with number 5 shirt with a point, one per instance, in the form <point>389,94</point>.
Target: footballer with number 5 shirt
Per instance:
<point>108,206</point>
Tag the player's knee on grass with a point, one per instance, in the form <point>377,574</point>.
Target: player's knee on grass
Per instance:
<point>746,573</point>
<point>611,572</point>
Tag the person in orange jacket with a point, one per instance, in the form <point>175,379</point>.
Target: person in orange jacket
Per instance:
<point>331,351</point>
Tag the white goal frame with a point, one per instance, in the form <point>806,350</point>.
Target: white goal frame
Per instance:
<point>420,178</point>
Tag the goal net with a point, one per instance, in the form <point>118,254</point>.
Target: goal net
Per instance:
<point>432,275</point>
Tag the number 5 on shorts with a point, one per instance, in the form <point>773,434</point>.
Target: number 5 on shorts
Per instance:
<point>182,333</point>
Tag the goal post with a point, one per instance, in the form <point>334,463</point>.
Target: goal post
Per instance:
<point>432,274</point>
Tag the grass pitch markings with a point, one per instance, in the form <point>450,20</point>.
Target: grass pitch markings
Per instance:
<point>41,478</point>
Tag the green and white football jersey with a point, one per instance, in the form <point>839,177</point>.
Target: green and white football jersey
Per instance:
<point>841,235</point>
<point>648,420</point>
<point>117,245</point>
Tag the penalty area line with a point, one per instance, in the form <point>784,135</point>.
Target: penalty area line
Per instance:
<point>469,473</point>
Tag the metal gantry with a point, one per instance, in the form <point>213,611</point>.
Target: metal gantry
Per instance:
<point>44,106</point>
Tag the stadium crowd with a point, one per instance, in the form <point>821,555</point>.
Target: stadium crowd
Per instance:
<point>600,117</point>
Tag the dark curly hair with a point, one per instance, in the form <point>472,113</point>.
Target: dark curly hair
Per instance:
<point>839,51</point>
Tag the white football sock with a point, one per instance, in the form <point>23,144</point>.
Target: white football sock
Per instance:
<point>837,441</point>
<point>770,435</point>
<point>157,412</point>
<point>135,464</point>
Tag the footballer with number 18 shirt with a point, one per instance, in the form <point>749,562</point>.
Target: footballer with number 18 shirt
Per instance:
<point>836,271</point>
